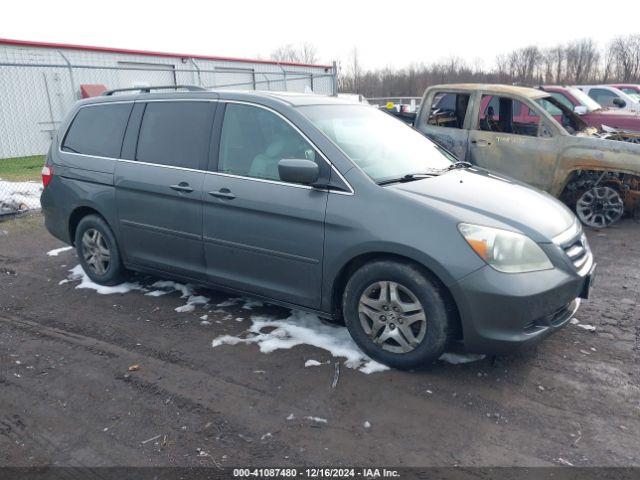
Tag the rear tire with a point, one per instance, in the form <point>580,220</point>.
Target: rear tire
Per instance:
<point>396,314</point>
<point>98,251</point>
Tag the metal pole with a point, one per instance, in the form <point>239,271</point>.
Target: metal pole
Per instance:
<point>195,65</point>
<point>335,79</point>
<point>284,74</point>
<point>46,88</point>
<point>73,85</point>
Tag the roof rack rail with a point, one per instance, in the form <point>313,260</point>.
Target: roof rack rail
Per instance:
<point>190,88</point>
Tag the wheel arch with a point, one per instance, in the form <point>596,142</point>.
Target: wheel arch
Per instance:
<point>78,214</point>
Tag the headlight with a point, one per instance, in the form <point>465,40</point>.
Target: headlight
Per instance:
<point>505,251</point>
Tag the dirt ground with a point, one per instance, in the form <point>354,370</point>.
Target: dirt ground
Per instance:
<point>67,397</point>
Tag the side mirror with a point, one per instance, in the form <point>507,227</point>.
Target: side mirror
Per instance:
<point>580,109</point>
<point>618,102</point>
<point>295,170</point>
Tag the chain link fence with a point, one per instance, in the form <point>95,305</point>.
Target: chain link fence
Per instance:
<point>37,89</point>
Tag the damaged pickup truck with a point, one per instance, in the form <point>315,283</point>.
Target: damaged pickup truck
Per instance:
<point>510,130</point>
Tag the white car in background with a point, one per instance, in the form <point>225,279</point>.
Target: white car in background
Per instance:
<point>611,97</point>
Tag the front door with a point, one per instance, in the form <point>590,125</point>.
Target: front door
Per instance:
<point>508,138</point>
<point>262,235</point>
<point>159,190</point>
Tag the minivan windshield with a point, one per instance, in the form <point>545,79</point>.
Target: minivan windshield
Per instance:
<point>384,147</point>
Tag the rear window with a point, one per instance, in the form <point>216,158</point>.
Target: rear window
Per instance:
<point>176,134</point>
<point>98,130</point>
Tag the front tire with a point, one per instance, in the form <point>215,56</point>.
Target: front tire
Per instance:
<point>98,251</point>
<point>396,314</point>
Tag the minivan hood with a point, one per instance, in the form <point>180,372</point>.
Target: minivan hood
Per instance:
<point>476,195</point>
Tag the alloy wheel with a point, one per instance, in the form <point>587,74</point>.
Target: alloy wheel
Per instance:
<point>392,316</point>
<point>96,251</point>
<point>600,207</point>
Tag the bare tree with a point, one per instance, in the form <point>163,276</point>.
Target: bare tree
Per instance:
<point>579,61</point>
<point>304,53</point>
<point>308,53</point>
<point>624,55</point>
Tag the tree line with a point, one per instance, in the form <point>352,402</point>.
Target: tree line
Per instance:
<point>577,62</point>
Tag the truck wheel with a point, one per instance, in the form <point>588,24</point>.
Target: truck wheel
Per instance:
<point>98,251</point>
<point>599,207</point>
<point>396,314</point>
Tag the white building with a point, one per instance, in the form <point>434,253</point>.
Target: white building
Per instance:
<point>39,82</point>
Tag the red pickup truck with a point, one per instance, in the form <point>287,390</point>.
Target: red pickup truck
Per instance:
<point>591,112</point>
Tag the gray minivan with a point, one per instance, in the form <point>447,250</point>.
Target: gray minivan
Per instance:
<point>319,204</point>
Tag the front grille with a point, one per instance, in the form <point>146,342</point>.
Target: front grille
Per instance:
<point>574,244</point>
<point>578,251</point>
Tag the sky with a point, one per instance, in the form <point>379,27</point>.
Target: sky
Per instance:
<point>386,33</point>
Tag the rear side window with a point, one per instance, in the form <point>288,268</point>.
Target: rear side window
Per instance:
<point>448,109</point>
<point>176,134</point>
<point>98,130</point>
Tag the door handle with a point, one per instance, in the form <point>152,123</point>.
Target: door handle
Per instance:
<point>481,143</point>
<point>181,187</point>
<point>223,193</point>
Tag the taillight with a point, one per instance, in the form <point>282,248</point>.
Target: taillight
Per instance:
<point>47,175</point>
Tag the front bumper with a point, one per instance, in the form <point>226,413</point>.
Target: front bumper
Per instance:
<point>503,312</point>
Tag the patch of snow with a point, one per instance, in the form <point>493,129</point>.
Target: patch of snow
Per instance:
<point>367,424</point>
<point>205,322</point>
<point>56,251</point>
<point>291,416</point>
<point>192,302</point>
<point>458,358</point>
<point>77,273</point>
<point>588,328</point>
<point>185,308</point>
<point>266,435</point>
<point>317,419</point>
<point>204,317</point>
<point>304,328</point>
<point>19,196</point>
<point>157,293</point>
<point>574,321</point>
<point>250,304</point>
<point>185,289</point>
<point>312,363</point>
<point>229,302</point>
<point>565,462</point>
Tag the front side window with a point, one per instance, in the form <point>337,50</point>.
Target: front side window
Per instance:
<point>603,97</point>
<point>98,130</point>
<point>383,147</point>
<point>254,140</point>
<point>176,134</point>
<point>506,115</point>
<point>448,109</point>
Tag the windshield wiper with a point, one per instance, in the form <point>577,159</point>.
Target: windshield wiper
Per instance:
<point>409,177</point>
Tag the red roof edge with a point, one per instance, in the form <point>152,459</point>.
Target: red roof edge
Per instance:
<point>89,48</point>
